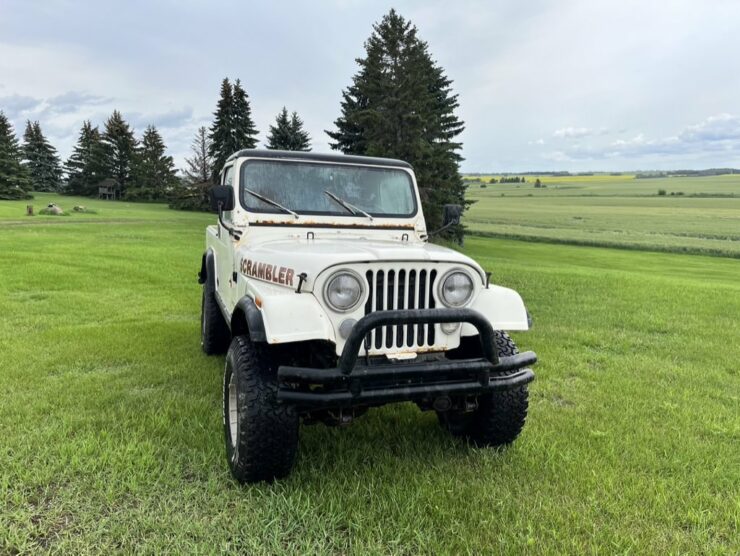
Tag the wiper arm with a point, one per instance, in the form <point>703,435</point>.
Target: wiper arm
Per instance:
<point>271,202</point>
<point>352,209</point>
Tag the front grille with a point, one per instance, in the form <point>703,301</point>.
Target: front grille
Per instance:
<point>404,288</point>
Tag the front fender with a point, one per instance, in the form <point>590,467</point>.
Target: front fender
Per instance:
<point>288,316</point>
<point>503,307</point>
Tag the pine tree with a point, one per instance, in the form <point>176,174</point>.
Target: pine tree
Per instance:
<point>153,173</point>
<point>400,104</point>
<point>232,128</point>
<point>14,181</point>
<point>193,193</point>
<point>287,134</point>
<point>119,145</point>
<point>85,167</point>
<point>41,160</point>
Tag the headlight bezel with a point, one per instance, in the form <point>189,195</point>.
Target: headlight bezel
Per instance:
<point>445,277</point>
<point>334,276</point>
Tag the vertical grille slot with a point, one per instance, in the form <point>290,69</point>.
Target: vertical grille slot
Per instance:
<point>432,277</point>
<point>410,328</point>
<point>399,289</point>
<point>400,298</point>
<point>388,331</point>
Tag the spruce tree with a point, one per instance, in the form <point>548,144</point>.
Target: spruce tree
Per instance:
<point>301,138</point>
<point>221,136</point>
<point>153,173</point>
<point>279,135</point>
<point>400,104</point>
<point>119,145</point>
<point>287,134</point>
<point>244,130</point>
<point>232,128</point>
<point>14,181</point>
<point>85,167</point>
<point>41,160</point>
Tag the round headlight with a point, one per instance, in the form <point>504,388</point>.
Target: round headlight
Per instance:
<point>343,291</point>
<point>456,289</point>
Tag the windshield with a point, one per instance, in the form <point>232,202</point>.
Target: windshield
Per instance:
<point>302,187</point>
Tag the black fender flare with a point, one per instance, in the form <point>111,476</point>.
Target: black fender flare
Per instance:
<point>247,315</point>
<point>207,274</point>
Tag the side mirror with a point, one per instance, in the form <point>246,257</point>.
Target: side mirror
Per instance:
<point>223,195</point>
<point>451,215</point>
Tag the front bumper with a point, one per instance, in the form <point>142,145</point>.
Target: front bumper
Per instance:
<point>351,383</point>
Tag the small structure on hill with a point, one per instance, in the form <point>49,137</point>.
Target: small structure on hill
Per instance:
<point>108,189</point>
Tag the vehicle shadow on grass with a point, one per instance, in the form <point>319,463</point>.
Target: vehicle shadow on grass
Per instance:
<point>387,442</point>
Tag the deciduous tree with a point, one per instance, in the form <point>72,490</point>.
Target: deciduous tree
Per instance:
<point>199,166</point>
<point>193,192</point>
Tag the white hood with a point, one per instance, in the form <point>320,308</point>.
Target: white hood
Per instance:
<point>315,255</point>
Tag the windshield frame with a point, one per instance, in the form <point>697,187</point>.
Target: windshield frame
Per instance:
<point>272,214</point>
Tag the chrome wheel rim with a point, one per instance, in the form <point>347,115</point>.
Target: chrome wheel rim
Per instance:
<point>233,413</point>
<point>202,320</point>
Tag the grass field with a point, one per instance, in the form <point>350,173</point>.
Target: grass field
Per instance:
<point>111,427</point>
<point>613,211</point>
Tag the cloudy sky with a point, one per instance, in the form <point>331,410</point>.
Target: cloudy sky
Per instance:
<point>544,84</point>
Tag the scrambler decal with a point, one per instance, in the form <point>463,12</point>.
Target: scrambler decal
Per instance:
<point>269,272</point>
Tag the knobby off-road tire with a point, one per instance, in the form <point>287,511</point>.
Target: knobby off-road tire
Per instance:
<point>214,332</point>
<point>261,433</point>
<point>500,416</point>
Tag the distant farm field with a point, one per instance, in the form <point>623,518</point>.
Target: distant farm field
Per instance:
<point>617,211</point>
<point>110,414</point>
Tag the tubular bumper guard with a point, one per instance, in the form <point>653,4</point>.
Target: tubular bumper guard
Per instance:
<point>351,384</point>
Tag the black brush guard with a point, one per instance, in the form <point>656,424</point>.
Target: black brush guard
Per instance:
<point>351,383</point>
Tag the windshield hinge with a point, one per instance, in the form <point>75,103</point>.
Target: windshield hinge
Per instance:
<point>301,278</point>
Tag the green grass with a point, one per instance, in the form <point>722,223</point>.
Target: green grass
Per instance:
<point>614,211</point>
<point>111,427</point>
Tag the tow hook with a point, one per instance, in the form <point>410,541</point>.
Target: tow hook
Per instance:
<point>442,403</point>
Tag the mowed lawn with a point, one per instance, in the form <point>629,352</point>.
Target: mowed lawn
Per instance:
<point>614,211</point>
<point>110,415</point>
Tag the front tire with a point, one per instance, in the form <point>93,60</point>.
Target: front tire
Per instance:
<point>214,332</point>
<point>261,433</point>
<point>500,416</point>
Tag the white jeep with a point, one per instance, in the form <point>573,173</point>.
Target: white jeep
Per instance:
<point>320,286</point>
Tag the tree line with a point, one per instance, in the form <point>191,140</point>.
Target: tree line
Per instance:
<point>399,104</point>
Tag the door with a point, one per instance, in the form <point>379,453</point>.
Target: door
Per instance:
<point>225,251</point>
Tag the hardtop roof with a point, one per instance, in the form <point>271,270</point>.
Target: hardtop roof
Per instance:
<point>319,157</point>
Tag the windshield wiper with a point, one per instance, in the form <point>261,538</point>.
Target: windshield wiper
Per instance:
<point>352,209</point>
<point>271,202</point>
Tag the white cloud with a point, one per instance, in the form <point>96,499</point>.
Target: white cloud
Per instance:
<point>563,71</point>
<point>572,132</point>
<point>717,135</point>
<point>722,127</point>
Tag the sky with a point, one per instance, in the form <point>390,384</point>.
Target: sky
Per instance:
<point>578,85</point>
